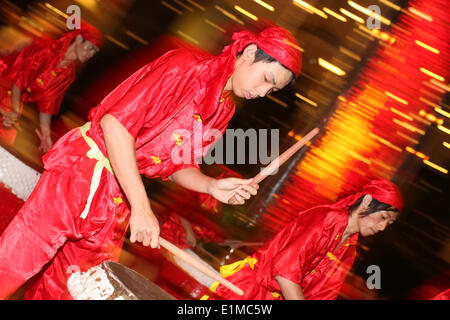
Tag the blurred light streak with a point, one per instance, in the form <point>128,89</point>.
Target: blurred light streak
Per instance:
<point>391,5</point>
<point>401,114</point>
<point>195,4</point>
<point>298,95</point>
<point>440,85</point>
<point>417,153</point>
<point>188,37</point>
<point>89,4</point>
<point>246,13</point>
<point>229,15</point>
<point>56,10</point>
<point>446,144</point>
<point>183,5</point>
<point>352,16</point>
<point>359,43</point>
<point>164,3</point>
<point>212,24</point>
<point>136,37</point>
<point>117,42</point>
<point>309,8</point>
<point>432,74</point>
<point>407,137</point>
<point>265,5</point>
<point>408,126</point>
<point>431,86</point>
<point>435,166</point>
<point>334,14</point>
<point>420,119</point>
<point>430,117</point>
<point>393,96</point>
<point>368,12</point>
<point>443,129</point>
<point>366,35</point>
<point>385,142</point>
<point>420,14</point>
<point>427,47</point>
<point>330,67</point>
<point>444,113</point>
<point>277,101</point>
<point>293,45</point>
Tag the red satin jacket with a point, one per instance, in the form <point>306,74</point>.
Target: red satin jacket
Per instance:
<point>304,252</point>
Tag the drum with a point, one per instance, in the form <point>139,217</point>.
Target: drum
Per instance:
<point>113,281</point>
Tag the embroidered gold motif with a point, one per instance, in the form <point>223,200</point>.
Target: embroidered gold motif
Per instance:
<point>331,256</point>
<point>156,160</point>
<point>178,139</point>
<point>28,89</point>
<point>53,73</point>
<point>197,116</point>
<point>40,81</point>
<point>337,237</point>
<point>9,92</point>
<point>276,295</point>
<point>117,200</point>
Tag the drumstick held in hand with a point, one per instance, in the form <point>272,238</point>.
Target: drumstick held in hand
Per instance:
<point>198,265</point>
<point>275,164</point>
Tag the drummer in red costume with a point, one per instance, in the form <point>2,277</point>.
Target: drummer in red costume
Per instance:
<point>91,189</point>
<point>41,74</point>
<point>310,257</point>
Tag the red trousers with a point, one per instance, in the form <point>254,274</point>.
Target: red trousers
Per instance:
<point>49,236</point>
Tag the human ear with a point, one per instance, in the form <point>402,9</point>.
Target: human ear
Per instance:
<point>79,38</point>
<point>366,202</point>
<point>249,53</point>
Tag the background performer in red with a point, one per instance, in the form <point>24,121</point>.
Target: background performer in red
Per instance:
<point>91,189</point>
<point>41,74</point>
<point>310,257</point>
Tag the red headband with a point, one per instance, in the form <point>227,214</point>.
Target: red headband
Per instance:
<point>275,41</point>
<point>87,31</point>
<point>384,191</point>
<point>380,189</point>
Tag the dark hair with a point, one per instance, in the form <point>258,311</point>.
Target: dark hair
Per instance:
<point>261,55</point>
<point>374,206</point>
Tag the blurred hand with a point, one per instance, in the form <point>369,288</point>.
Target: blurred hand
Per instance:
<point>144,227</point>
<point>191,239</point>
<point>226,189</point>
<point>46,141</point>
<point>9,118</point>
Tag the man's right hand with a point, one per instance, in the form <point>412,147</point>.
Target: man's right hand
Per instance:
<point>144,226</point>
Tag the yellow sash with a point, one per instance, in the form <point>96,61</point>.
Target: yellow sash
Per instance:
<point>102,162</point>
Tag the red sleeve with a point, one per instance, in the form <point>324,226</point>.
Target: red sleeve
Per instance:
<point>23,70</point>
<point>149,94</point>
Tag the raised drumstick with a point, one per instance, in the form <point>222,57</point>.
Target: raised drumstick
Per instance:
<point>198,265</point>
<point>275,164</point>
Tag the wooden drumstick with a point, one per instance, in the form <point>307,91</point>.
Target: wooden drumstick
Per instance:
<point>275,164</point>
<point>198,265</point>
